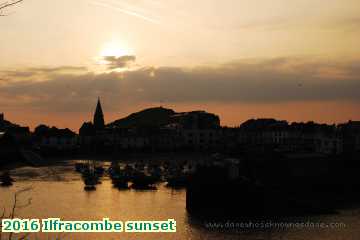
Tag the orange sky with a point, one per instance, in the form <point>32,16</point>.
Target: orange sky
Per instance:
<point>230,114</point>
<point>297,60</point>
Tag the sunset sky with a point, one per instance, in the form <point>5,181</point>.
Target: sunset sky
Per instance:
<point>297,60</point>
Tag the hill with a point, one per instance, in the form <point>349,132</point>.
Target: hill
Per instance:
<point>148,117</point>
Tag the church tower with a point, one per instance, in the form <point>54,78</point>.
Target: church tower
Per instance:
<point>99,122</point>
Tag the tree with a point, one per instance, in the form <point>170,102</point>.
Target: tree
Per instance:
<point>8,4</point>
<point>12,213</point>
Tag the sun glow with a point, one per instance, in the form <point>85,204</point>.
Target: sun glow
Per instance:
<point>115,49</point>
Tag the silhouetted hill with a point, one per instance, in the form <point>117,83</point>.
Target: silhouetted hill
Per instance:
<point>148,117</point>
<point>7,125</point>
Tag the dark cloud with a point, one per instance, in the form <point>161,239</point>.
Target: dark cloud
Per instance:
<point>348,22</point>
<point>269,81</point>
<point>58,69</point>
<point>4,80</point>
<point>119,62</point>
<point>34,72</point>
<point>16,74</point>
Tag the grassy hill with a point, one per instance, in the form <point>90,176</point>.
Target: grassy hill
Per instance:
<point>148,117</point>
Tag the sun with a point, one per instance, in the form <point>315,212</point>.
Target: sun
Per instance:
<point>115,49</point>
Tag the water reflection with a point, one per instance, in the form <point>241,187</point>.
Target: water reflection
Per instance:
<point>65,198</point>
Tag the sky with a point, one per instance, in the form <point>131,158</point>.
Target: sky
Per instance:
<point>297,60</point>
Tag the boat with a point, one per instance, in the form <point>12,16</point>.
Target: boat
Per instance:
<point>6,179</point>
<point>90,183</point>
<point>118,177</point>
<point>120,182</point>
<point>156,173</point>
<point>89,188</point>
<point>90,176</point>
<point>143,182</point>
<point>80,166</point>
<point>177,181</point>
<point>99,170</point>
<point>130,171</point>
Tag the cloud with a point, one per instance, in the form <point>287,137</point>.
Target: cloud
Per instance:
<point>119,62</point>
<point>280,80</point>
<point>351,24</point>
<point>39,72</point>
<point>59,69</point>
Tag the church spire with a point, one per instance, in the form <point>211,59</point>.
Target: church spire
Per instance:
<point>99,122</point>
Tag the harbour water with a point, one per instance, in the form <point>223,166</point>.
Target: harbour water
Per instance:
<point>58,192</point>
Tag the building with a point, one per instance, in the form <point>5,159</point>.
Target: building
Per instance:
<point>197,120</point>
<point>328,141</point>
<point>134,142</point>
<point>310,137</point>
<point>263,134</point>
<point>350,132</point>
<point>167,138</point>
<point>201,138</point>
<point>9,149</point>
<point>1,120</point>
<point>3,123</point>
<point>22,135</point>
<point>165,130</point>
<point>99,122</point>
<point>198,129</point>
<point>55,139</point>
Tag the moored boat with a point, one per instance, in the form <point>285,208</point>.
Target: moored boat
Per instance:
<point>6,179</point>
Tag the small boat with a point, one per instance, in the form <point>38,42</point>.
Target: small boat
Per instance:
<point>139,166</point>
<point>118,177</point>
<point>89,188</point>
<point>80,167</point>
<point>129,171</point>
<point>91,179</point>
<point>99,170</point>
<point>156,173</point>
<point>90,183</point>
<point>143,182</point>
<point>6,179</point>
<point>177,181</point>
<point>120,182</point>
